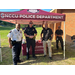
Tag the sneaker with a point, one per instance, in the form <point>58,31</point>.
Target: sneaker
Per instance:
<point>27,58</point>
<point>34,57</point>
<point>50,58</point>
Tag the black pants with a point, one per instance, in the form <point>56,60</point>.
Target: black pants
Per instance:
<point>16,50</point>
<point>30,42</point>
<point>57,41</point>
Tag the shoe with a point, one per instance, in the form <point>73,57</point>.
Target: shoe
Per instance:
<point>27,58</point>
<point>57,48</point>
<point>34,57</point>
<point>45,55</point>
<point>19,61</point>
<point>15,63</point>
<point>50,58</point>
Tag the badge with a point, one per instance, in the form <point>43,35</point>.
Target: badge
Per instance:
<point>33,29</point>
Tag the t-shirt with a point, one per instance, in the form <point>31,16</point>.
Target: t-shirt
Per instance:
<point>59,32</point>
<point>30,31</point>
<point>47,33</point>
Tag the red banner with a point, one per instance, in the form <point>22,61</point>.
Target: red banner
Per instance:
<point>38,48</point>
<point>23,16</point>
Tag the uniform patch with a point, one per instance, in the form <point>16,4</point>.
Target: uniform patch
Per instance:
<point>20,31</point>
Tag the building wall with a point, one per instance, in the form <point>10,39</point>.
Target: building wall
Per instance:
<point>69,22</point>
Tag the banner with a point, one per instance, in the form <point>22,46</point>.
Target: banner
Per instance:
<point>5,16</point>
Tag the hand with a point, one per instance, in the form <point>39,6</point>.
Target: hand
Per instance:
<point>43,22</point>
<point>31,37</point>
<point>10,46</point>
<point>59,35</point>
<point>41,38</point>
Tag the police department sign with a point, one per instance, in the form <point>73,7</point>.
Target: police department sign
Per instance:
<point>30,16</point>
<point>3,15</point>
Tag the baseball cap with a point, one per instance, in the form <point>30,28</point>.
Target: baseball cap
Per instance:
<point>30,22</point>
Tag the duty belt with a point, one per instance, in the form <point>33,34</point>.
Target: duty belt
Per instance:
<point>18,41</point>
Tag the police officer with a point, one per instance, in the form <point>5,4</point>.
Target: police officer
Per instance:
<point>15,39</point>
<point>47,37</point>
<point>30,34</point>
<point>59,34</point>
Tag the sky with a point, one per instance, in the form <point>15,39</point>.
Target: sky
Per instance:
<point>12,10</point>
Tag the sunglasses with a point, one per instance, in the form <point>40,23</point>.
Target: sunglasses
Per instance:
<point>30,23</point>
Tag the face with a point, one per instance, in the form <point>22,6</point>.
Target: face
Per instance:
<point>18,26</point>
<point>30,25</point>
<point>46,26</point>
<point>59,28</point>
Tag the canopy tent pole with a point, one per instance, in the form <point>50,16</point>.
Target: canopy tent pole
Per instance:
<point>64,39</point>
<point>0,50</point>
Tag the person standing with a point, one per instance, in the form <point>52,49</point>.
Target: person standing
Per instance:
<point>15,40</point>
<point>30,34</point>
<point>47,37</point>
<point>59,34</point>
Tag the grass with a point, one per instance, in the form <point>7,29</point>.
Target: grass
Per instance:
<point>57,55</point>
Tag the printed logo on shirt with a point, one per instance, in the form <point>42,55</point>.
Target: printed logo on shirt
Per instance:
<point>10,31</point>
<point>47,31</point>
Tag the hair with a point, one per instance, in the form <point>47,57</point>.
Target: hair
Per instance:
<point>30,22</point>
<point>17,24</point>
<point>59,27</point>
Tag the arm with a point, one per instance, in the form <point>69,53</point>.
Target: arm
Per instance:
<point>35,35</point>
<point>56,34</point>
<point>30,36</point>
<point>43,23</point>
<point>52,37</point>
<point>26,35</point>
<point>60,35</point>
<point>9,40</point>
<point>41,34</point>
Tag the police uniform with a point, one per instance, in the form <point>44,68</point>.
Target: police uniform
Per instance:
<point>59,32</point>
<point>47,39</point>
<point>16,39</point>
<point>30,42</point>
